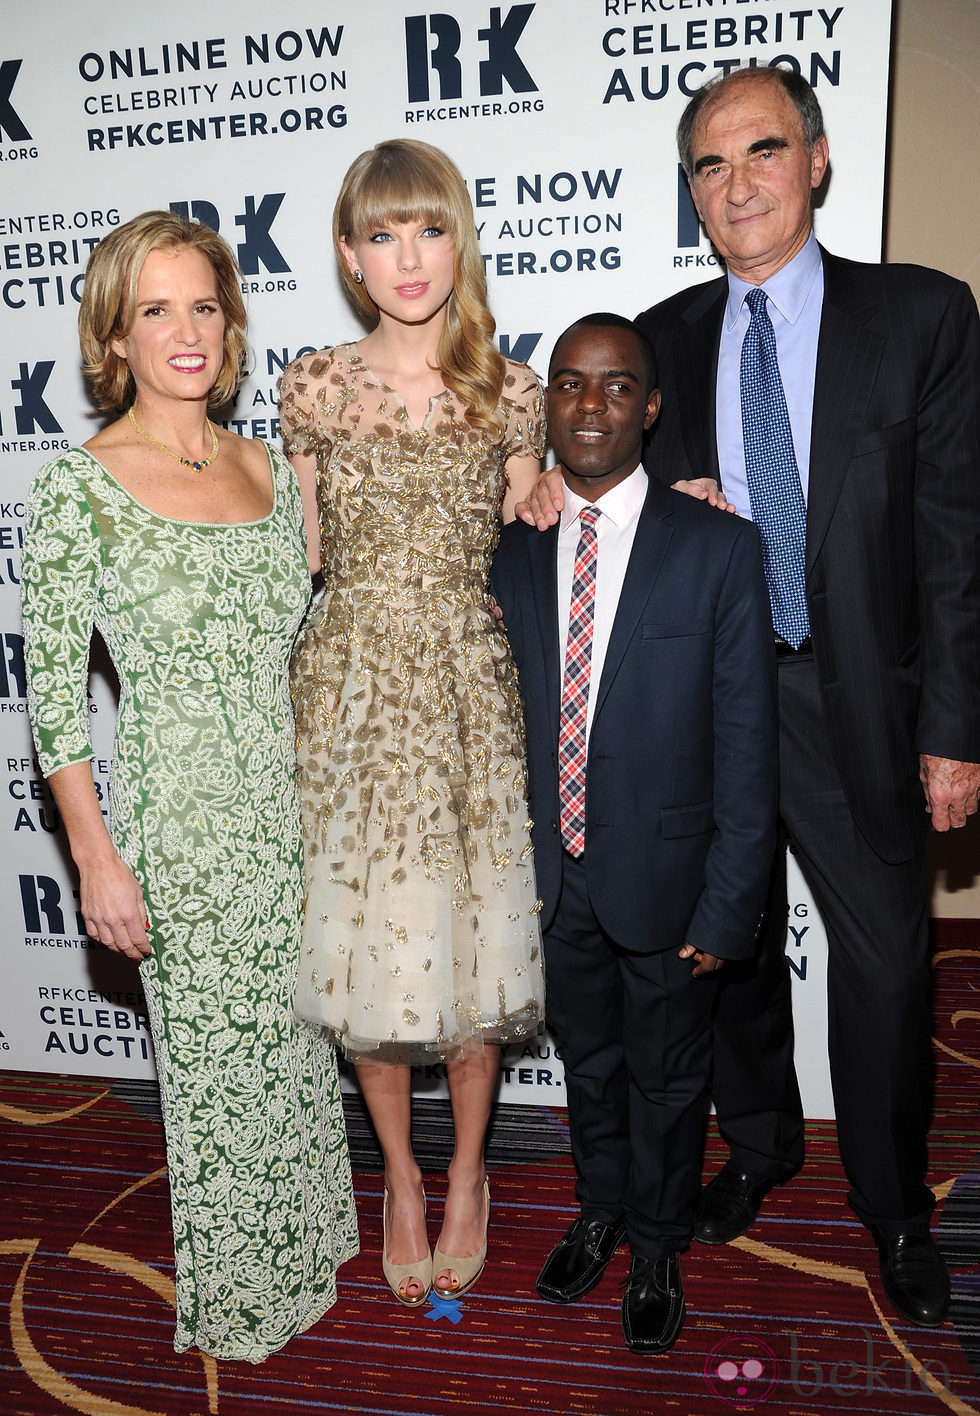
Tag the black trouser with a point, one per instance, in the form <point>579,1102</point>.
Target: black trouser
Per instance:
<point>878,982</point>
<point>635,1043</point>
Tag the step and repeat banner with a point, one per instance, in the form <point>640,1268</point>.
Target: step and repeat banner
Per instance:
<point>245,115</point>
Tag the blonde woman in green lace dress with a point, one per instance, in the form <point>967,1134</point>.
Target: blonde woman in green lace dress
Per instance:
<point>182,544</point>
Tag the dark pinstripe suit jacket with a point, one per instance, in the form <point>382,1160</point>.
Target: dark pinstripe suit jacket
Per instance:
<point>893,523</point>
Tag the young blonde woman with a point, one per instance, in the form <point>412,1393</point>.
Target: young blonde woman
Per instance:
<point>183,545</point>
<point>421,939</point>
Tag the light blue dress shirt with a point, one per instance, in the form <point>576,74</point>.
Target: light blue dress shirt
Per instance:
<point>795,304</point>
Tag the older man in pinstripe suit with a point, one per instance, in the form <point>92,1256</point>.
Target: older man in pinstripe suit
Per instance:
<point>880,699</point>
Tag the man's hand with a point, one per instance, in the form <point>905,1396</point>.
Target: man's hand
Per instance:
<point>703,963</point>
<point>706,489</point>
<point>952,789</point>
<point>546,500</point>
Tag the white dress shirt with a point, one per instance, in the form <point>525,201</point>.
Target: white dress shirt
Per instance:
<point>615,530</point>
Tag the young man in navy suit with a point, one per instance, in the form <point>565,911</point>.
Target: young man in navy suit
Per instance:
<point>645,655</point>
<point>879,703</point>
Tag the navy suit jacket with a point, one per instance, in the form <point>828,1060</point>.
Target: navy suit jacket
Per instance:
<point>681,774</point>
<point>893,521</point>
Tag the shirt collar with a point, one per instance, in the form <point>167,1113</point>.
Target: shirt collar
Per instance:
<point>620,504</point>
<point>788,289</point>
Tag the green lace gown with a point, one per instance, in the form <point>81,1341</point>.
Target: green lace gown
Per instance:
<point>199,620</point>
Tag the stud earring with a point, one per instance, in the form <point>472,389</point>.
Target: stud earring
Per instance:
<point>359,277</point>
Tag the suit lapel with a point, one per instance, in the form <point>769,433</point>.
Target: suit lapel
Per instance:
<point>542,550</point>
<point>653,536</point>
<point>848,357</point>
<point>697,358</point>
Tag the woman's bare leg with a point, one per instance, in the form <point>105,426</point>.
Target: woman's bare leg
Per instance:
<point>472,1086</point>
<point>387,1091</point>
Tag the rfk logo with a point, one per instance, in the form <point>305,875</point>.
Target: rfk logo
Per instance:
<point>434,41</point>
<point>258,245</point>
<point>520,349</point>
<point>11,124</point>
<point>41,899</point>
<point>32,414</point>
<point>688,221</point>
<point>13,675</point>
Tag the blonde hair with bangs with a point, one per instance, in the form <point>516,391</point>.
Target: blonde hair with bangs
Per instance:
<point>404,180</point>
<point>108,308</point>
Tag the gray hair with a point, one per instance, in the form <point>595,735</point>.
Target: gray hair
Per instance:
<point>804,99</point>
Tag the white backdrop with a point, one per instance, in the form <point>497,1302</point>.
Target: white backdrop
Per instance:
<point>245,115</point>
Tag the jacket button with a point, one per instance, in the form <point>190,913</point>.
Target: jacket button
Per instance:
<point>554,827</point>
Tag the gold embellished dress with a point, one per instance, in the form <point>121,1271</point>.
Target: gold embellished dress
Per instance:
<point>421,932</point>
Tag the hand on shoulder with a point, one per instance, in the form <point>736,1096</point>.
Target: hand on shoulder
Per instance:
<point>705,489</point>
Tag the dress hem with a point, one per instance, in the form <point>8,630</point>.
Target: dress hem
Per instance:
<point>258,1354</point>
<point>400,1052</point>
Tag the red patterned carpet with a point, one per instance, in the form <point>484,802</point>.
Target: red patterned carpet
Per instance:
<point>793,1315</point>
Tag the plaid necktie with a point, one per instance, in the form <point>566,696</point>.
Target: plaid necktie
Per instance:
<point>575,686</point>
<point>773,477</point>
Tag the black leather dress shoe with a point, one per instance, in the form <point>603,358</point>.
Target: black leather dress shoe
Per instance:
<point>729,1204</point>
<point>913,1274</point>
<point>579,1259</point>
<point>653,1304</point>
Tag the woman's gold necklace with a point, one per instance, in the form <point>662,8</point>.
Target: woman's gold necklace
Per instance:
<point>184,461</point>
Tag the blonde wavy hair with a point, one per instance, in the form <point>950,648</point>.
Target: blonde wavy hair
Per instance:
<point>108,309</point>
<point>404,180</point>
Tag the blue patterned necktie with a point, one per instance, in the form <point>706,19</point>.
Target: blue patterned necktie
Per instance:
<point>773,477</point>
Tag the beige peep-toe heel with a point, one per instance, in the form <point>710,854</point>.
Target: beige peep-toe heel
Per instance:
<point>467,1269</point>
<point>396,1274</point>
